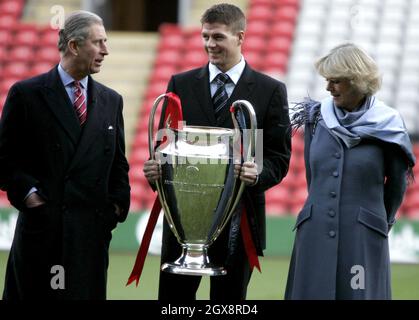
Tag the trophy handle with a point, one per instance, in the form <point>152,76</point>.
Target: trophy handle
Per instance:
<point>151,148</point>
<point>253,125</point>
<point>250,156</point>
<point>151,126</point>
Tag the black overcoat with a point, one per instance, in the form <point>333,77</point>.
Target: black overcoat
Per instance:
<point>80,172</point>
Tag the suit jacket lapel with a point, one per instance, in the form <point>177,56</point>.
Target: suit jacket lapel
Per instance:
<point>60,104</point>
<point>241,91</point>
<point>92,126</point>
<point>203,95</point>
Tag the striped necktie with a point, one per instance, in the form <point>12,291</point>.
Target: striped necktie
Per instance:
<point>80,103</point>
<point>220,97</point>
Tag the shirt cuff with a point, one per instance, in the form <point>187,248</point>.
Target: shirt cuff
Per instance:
<point>33,190</point>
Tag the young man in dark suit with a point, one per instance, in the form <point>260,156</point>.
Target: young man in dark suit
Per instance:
<point>63,165</point>
<point>223,33</point>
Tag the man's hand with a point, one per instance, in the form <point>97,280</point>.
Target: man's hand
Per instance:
<point>34,200</point>
<point>248,172</point>
<point>152,171</point>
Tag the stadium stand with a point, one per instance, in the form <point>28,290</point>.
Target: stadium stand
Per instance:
<point>283,39</point>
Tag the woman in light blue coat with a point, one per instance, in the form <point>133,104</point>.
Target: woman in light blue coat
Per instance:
<point>358,159</point>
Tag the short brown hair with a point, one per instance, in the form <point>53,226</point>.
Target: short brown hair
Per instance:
<point>227,14</point>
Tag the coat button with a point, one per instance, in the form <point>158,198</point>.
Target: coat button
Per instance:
<point>333,194</point>
<point>337,155</point>
<point>332,234</point>
<point>332,213</point>
<point>335,174</point>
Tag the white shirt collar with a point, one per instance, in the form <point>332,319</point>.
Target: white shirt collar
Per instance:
<point>68,80</point>
<point>234,73</point>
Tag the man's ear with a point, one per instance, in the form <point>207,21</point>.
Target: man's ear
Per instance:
<point>240,36</point>
<point>73,47</point>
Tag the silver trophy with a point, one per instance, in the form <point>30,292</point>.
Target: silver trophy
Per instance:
<point>198,190</point>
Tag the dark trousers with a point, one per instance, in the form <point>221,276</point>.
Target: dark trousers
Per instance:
<point>230,287</point>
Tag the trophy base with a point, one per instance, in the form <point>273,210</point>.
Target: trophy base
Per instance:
<point>193,271</point>
<point>194,262</point>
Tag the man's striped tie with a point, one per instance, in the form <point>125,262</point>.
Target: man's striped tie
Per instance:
<point>80,103</point>
<point>220,97</point>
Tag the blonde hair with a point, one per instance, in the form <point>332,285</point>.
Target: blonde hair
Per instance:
<point>348,61</point>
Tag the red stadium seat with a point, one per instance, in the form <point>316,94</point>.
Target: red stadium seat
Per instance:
<point>171,41</point>
<point>7,22</point>
<point>39,67</point>
<point>254,3</point>
<point>5,38</point>
<point>20,54</point>
<point>26,38</point>
<point>3,55</point>
<point>194,59</point>
<point>286,13</point>
<point>20,27</point>
<point>3,98</point>
<point>297,162</point>
<point>282,29</point>
<point>6,84</point>
<point>276,209</point>
<point>261,12</point>
<point>412,213</point>
<point>258,28</point>
<point>48,38</point>
<point>254,59</point>
<point>297,144</point>
<point>294,3</point>
<point>139,155</point>
<point>48,54</point>
<point>141,138</point>
<point>4,202</point>
<point>276,60</point>
<point>278,194</point>
<point>254,44</point>
<point>194,42</point>
<point>298,179</point>
<point>15,70</point>
<point>298,198</point>
<point>11,7</point>
<point>169,29</point>
<point>162,73</point>
<point>169,57</point>
<point>279,44</point>
<point>155,89</point>
<point>416,149</point>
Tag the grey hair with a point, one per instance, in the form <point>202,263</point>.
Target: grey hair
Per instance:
<point>225,13</point>
<point>76,27</point>
<point>348,61</point>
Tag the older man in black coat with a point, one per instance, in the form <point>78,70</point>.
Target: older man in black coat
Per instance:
<point>63,165</point>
